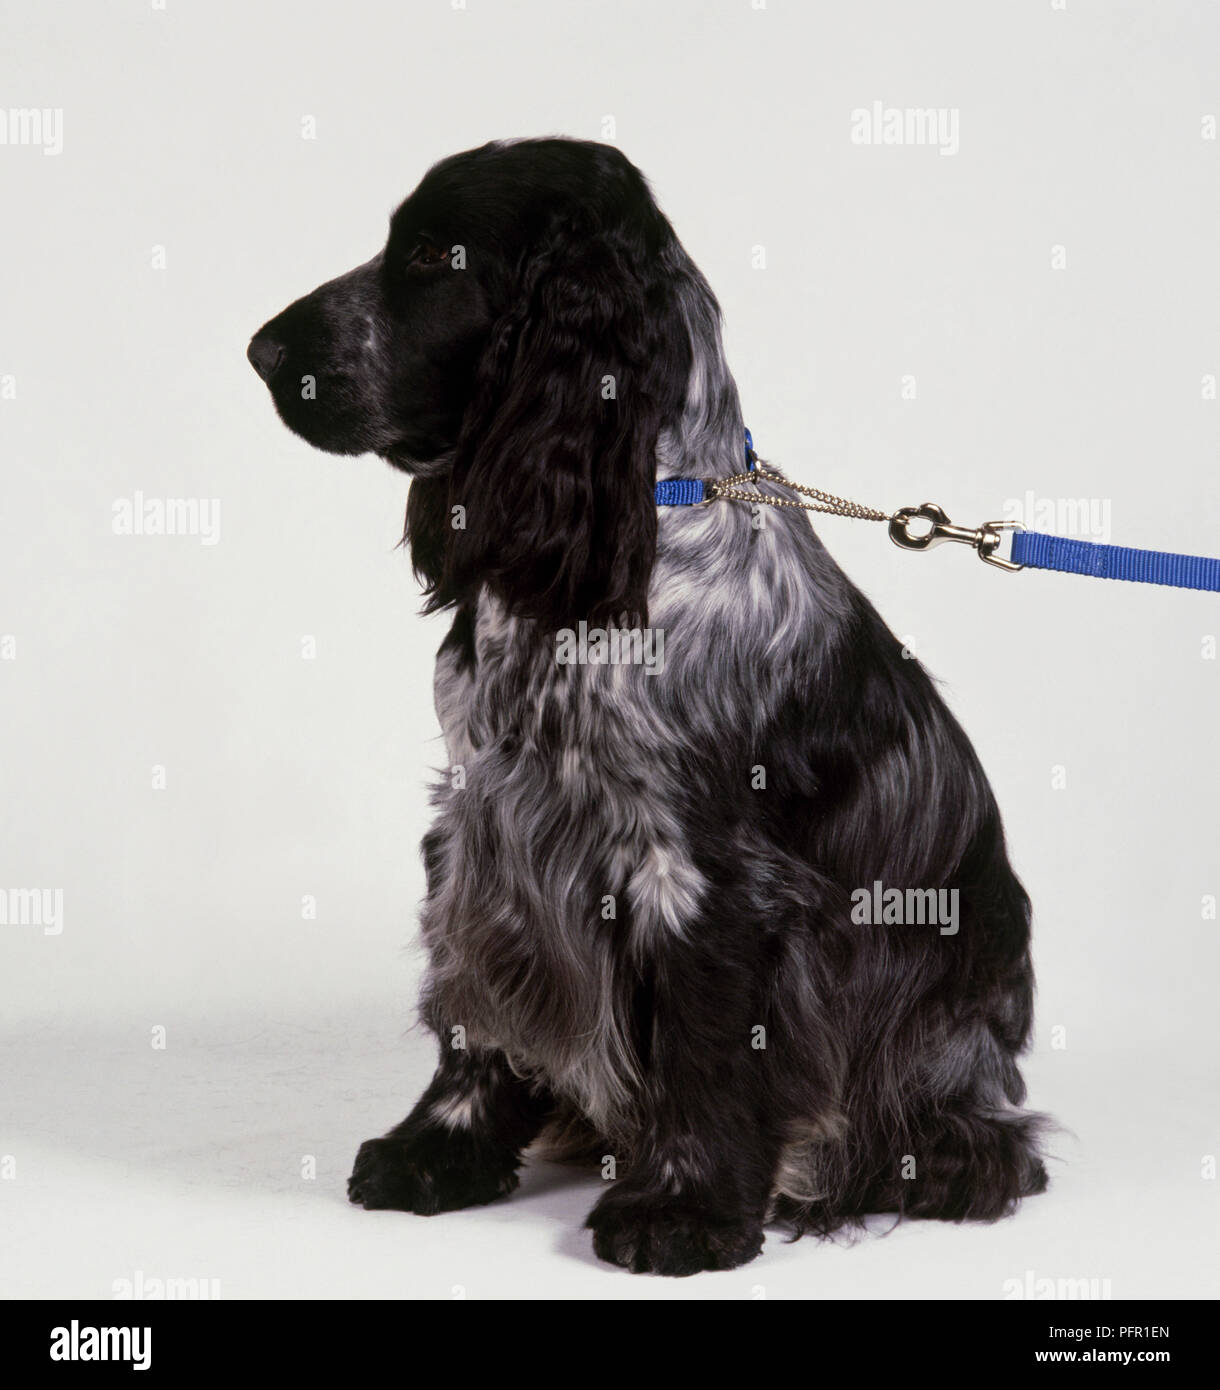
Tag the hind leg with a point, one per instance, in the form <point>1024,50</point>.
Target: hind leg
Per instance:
<point>972,1165</point>
<point>973,1153</point>
<point>962,1151</point>
<point>961,1164</point>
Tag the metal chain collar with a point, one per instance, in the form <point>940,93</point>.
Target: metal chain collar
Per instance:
<point>823,501</point>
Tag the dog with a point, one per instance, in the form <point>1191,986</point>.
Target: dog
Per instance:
<point>648,912</point>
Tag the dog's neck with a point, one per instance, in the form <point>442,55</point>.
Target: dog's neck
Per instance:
<point>705,441</point>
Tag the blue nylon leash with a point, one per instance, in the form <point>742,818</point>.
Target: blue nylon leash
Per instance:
<point>1033,550</point>
<point>1030,549</point>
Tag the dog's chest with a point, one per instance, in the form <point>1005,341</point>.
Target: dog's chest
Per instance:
<point>560,851</point>
<point>563,768</point>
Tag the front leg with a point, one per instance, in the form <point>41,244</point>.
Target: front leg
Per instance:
<point>697,1189</point>
<point>461,1146</point>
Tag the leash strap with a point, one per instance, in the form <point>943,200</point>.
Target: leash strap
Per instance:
<point>925,526</point>
<point>1036,551</point>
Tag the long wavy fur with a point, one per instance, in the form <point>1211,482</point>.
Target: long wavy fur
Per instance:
<point>640,883</point>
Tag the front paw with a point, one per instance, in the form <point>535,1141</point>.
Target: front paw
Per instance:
<point>425,1174</point>
<point>651,1233</point>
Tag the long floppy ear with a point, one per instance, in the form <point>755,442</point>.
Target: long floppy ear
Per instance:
<point>555,466</point>
<point>424,532</point>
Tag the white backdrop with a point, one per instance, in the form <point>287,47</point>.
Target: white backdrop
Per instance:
<point>1028,316</point>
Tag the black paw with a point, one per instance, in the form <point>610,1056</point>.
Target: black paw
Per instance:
<point>651,1233</point>
<point>424,1174</point>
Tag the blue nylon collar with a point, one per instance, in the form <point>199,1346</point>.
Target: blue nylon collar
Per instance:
<point>689,492</point>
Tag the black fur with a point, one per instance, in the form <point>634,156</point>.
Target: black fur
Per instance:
<point>737,1044</point>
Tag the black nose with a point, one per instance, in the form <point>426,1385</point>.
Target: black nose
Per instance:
<point>265,354</point>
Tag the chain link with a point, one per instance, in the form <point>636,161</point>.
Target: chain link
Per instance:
<point>823,501</point>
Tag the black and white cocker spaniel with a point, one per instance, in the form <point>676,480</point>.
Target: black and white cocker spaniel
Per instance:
<point>723,903</point>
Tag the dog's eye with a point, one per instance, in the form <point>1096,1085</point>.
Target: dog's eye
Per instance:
<point>427,253</point>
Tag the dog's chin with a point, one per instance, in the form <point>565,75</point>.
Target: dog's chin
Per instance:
<point>330,437</point>
<point>406,460</point>
<point>349,438</point>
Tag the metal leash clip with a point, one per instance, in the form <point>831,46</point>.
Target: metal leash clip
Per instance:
<point>985,539</point>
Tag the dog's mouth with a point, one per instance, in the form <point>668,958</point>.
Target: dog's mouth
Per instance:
<point>318,403</point>
<point>330,403</point>
<point>333,433</point>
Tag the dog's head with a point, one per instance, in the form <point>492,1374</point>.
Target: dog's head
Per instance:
<point>518,346</point>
